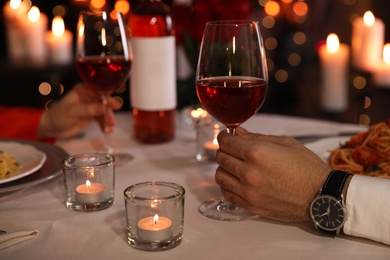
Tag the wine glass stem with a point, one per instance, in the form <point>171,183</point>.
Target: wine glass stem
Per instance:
<point>231,130</point>
<point>106,146</point>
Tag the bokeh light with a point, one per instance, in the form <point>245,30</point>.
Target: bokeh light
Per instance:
<point>44,88</point>
<point>300,8</point>
<point>271,43</point>
<point>359,82</point>
<point>299,38</point>
<point>281,76</point>
<point>268,22</point>
<point>97,5</point>
<point>272,8</point>
<point>367,102</point>
<point>294,59</point>
<point>364,120</point>
<point>60,10</point>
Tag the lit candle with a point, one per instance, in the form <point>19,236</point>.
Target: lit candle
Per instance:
<point>198,113</point>
<point>334,63</point>
<point>35,35</point>
<point>155,228</point>
<point>367,41</point>
<point>91,192</point>
<point>15,20</point>
<point>211,145</point>
<point>381,76</point>
<point>14,11</point>
<point>59,42</point>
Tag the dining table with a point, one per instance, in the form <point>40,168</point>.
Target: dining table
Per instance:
<point>69,234</point>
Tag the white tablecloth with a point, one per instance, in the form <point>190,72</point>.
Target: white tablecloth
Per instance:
<point>66,234</point>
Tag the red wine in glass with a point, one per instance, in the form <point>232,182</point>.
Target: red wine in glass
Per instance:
<point>231,100</point>
<point>104,74</point>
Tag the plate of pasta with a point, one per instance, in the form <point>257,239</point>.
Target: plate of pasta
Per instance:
<point>18,160</point>
<point>365,153</point>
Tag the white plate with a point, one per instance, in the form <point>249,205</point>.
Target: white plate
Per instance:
<point>30,158</point>
<point>323,146</point>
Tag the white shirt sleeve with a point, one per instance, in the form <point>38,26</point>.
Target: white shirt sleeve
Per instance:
<point>368,207</point>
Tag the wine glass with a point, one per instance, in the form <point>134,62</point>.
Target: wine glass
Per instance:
<point>231,84</point>
<point>103,59</point>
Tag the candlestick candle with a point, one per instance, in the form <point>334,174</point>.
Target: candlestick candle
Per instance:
<point>381,75</point>
<point>155,228</point>
<point>367,41</point>
<point>35,35</point>
<point>15,20</point>
<point>334,63</point>
<point>91,192</point>
<point>59,42</point>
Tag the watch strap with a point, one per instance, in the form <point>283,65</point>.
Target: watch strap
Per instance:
<point>333,186</point>
<point>335,182</point>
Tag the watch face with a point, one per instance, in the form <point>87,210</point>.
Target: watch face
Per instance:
<point>328,212</point>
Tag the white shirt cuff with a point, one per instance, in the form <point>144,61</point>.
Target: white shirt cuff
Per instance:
<point>368,207</point>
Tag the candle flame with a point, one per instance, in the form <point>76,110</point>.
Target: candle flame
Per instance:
<point>332,43</point>
<point>88,184</point>
<point>104,40</point>
<point>199,112</point>
<point>215,141</point>
<point>15,4</point>
<point>369,18</point>
<point>155,219</point>
<point>81,30</point>
<point>386,53</point>
<point>34,14</point>
<point>58,26</point>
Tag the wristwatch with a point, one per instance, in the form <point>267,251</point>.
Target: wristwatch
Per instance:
<point>328,210</point>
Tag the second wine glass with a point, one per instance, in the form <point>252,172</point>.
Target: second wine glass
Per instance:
<point>103,59</point>
<point>231,84</point>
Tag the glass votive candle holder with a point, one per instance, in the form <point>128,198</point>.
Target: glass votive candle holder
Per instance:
<point>191,115</point>
<point>206,139</point>
<point>89,181</point>
<point>154,215</point>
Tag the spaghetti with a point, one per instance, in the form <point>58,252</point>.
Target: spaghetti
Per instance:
<point>366,153</point>
<point>8,165</point>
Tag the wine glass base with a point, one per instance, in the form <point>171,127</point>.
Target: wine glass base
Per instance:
<point>220,209</point>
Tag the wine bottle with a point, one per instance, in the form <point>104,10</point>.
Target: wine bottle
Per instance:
<point>153,76</point>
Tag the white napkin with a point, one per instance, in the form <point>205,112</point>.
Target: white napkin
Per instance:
<point>15,234</point>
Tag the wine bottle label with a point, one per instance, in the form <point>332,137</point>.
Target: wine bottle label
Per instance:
<point>153,73</point>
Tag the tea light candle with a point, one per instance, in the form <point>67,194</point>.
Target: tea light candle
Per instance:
<point>90,192</point>
<point>211,146</point>
<point>59,42</point>
<point>35,35</point>
<point>381,76</point>
<point>334,63</point>
<point>210,149</point>
<point>198,113</point>
<point>155,228</point>
<point>367,41</point>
